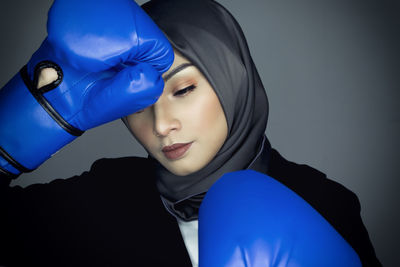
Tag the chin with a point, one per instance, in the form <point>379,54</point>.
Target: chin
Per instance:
<point>183,166</point>
<point>181,170</point>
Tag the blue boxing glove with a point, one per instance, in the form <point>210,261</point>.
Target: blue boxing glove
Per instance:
<point>249,219</point>
<point>109,57</point>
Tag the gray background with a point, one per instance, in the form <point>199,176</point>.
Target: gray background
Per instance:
<point>331,71</point>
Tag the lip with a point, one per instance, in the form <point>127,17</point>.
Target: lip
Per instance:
<point>176,151</point>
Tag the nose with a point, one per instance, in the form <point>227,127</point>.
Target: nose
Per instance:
<point>164,120</point>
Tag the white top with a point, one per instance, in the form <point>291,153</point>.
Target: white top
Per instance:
<point>189,231</point>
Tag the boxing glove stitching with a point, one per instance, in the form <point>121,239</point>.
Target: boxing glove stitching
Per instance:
<point>46,105</point>
<point>12,161</point>
<point>84,79</point>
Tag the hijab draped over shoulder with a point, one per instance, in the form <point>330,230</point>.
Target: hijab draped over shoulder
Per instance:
<point>206,34</point>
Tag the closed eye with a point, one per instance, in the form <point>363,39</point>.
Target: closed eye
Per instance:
<point>185,91</point>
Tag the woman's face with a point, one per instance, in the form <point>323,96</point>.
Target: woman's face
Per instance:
<point>186,127</point>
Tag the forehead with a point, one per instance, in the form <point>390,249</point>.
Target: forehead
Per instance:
<point>178,60</point>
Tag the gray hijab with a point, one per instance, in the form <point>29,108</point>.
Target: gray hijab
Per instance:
<point>207,35</point>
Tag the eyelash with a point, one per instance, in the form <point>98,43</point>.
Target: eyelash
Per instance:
<point>179,93</point>
<point>185,91</point>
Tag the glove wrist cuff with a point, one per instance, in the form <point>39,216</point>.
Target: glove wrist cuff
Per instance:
<point>29,134</point>
<point>38,94</point>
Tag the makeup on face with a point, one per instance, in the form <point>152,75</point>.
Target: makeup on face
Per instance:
<point>185,90</point>
<point>176,150</point>
<point>186,127</point>
<point>169,74</point>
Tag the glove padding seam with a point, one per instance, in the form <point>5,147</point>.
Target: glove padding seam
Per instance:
<point>13,163</point>
<point>47,106</point>
<point>8,175</point>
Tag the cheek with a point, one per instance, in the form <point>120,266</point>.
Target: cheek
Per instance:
<point>141,128</point>
<point>207,118</point>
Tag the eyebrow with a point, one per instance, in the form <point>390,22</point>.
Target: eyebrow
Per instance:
<point>176,70</point>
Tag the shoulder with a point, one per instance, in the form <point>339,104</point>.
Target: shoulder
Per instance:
<point>105,175</point>
<point>337,204</point>
<point>124,170</point>
<point>310,183</point>
<point>121,164</point>
<point>333,201</point>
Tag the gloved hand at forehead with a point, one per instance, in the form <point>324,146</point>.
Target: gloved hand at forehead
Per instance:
<point>109,57</point>
<point>249,219</point>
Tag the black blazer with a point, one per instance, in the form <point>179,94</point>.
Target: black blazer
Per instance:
<point>112,215</point>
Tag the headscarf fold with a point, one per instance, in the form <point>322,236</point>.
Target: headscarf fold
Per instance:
<point>208,36</point>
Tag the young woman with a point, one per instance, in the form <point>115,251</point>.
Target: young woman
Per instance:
<point>209,120</point>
